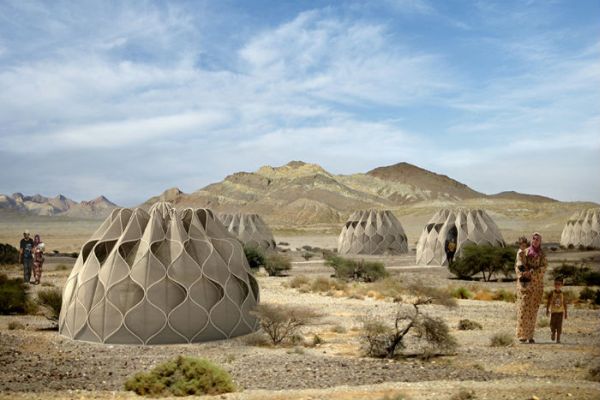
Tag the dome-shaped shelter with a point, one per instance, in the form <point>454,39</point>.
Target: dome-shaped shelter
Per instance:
<point>161,277</point>
<point>464,225</point>
<point>250,229</point>
<point>582,229</point>
<point>372,232</point>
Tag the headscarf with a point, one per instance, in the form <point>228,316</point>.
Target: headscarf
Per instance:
<point>36,240</point>
<point>535,251</point>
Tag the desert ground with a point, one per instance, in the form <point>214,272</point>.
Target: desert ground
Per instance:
<point>38,363</point>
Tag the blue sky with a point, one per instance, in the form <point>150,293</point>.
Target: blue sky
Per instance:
<point>127,99</point>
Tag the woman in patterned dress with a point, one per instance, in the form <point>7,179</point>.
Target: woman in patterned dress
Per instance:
<point>530,268</point>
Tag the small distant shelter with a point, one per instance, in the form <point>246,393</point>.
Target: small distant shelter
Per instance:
<point>582,229</point>
<point>372,232</point>
<point>465,226</point>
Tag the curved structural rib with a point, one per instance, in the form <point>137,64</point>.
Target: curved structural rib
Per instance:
<point>158,278</point>
<point>467,226</point>
<point>372,232</point>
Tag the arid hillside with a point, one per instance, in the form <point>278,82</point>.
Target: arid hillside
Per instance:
<point>305,196</point>
<point>19,204</point>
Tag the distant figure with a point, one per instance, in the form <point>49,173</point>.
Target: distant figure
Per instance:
<point>26,255</point>
<point>530,267</point>
<point>38,259</point>
<point>450,247</point>
<point>557,308</point>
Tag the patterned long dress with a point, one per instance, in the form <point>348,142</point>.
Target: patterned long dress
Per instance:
<point>529,295</point>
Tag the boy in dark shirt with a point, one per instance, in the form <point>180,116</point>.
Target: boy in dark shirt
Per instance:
<point>26,255</point>
<point>557,308</point>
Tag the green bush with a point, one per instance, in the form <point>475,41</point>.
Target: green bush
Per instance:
<point>505,295</point>
<point>13,296</point>
<point>8,254</point>
<point>307,256</point>
<point>52,300</point>
<point>276,263</point>
<point>485,260</point>
<point>255,256</point>
<point>183,376</point>
<point>461,293</point>
<point>468,325</point>
<point>543,323</point>
<point>348,269</point>
<point>501,339</point>
<point>591,295</point>
<point>577,275</point>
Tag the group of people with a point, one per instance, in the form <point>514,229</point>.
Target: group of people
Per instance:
<point>530,267</point>
<point>31,254</point>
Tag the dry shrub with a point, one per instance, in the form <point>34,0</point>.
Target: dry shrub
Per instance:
<point>276,264</point>
<point>15,325</point>
<point>429,294</point>
<point>543,322</point>
<point>501,339</point>
<point>468,325</point>
<point>338,329</point>
<point>52,300</point>
<point>384,340</point>
<point>464,394</point>
<point>484,295</point>
<point>258,339</point>
<point>183,376</point>
<point>283,322</point>
<point>299,281</point>
<point>594,371</point>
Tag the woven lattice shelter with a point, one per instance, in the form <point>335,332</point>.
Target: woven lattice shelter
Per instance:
<point>466,226</point>
<point>250,229</point>
<point>161,277</point>
<point>582,229</point>
<point>372,232</point>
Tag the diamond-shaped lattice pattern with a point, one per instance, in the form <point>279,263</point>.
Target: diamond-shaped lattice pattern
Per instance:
<point>159,277</point>
<point>468,226</point>
<point>582,229</point>
<point>250,229</point>
<point>372,232</point>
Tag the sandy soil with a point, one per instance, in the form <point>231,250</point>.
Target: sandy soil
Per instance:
<point>38,363</point>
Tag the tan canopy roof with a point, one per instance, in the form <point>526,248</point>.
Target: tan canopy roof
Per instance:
<point>372,232</point>
<point>159,277</point>
<point>250,229</point>
<point>582,229</point>
<point>467,226</point>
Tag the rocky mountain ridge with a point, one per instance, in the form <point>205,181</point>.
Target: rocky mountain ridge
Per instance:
<point>300,193</point>
<point>60,205</point>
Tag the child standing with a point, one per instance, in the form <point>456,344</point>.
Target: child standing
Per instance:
<point>557,308</point>
<point>38,262</point>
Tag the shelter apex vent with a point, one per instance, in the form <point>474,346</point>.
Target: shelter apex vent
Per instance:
<point>250,229</point>
<point>372,232</point>
<point>582,229</point>
<point>465,225</point>
<point>161,277</point>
